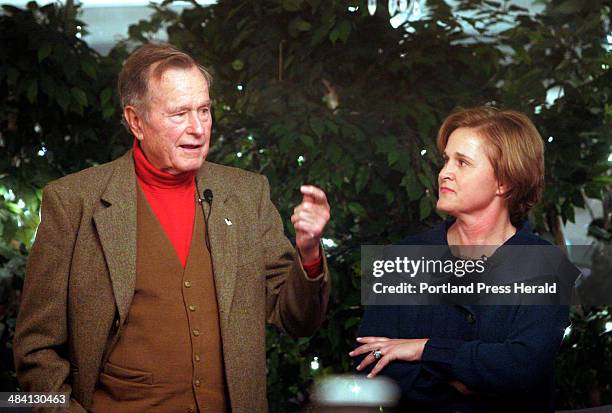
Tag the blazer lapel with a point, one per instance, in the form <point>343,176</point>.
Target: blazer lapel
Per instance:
<point>116,226</point>
<point>222,235</point>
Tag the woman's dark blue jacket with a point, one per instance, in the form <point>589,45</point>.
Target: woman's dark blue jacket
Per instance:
<point>504,354</point>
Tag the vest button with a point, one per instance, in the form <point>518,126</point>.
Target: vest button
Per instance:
<point>190,410</point>
<point>196,332</point>
<point>197,357</point>
<point>187,284</point>
<point>470,318</point>
<point>192,307</point>
<point>197,383</point>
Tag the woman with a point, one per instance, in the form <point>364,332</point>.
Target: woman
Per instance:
<point>471,358</point>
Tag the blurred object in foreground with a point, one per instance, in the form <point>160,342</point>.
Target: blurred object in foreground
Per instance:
<point>355,394</point>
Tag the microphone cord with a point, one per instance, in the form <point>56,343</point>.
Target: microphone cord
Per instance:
<point>206,196</point>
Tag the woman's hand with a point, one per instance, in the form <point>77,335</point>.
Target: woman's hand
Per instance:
<point>390,350</point>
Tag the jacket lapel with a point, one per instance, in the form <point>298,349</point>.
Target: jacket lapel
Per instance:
<point>222,235</point>
<point>116,226</point>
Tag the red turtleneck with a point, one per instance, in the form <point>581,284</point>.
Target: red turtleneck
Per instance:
<point>172,199</point>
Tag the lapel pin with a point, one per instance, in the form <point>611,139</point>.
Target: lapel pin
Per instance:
<point>228,222</point>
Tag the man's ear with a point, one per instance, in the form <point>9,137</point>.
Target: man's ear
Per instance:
<point>134,121</point>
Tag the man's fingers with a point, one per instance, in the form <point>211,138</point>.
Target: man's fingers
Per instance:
<point>305,214</point>
<point>313,194</point>
<point>308,200</point>
<point>311,216</point>
<point>307,219</point>
<point>310,208</point>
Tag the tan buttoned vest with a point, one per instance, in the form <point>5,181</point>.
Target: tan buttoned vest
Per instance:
<point>169,356</point>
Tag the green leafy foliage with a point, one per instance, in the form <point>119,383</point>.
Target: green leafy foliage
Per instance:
<point>57,101</point>
<point>568,52</point>
<point>12,270</point>
<point>586,360</point>
<point>58,96</point>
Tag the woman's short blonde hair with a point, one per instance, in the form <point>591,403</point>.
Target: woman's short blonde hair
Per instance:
<point>514,148</point>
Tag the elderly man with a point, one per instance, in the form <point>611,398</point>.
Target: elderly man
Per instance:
<point>152,276</point>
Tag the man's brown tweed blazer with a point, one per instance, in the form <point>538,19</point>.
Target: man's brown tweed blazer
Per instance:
<point>81,275</point>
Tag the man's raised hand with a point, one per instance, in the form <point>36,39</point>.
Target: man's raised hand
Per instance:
<point>309,219</point>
